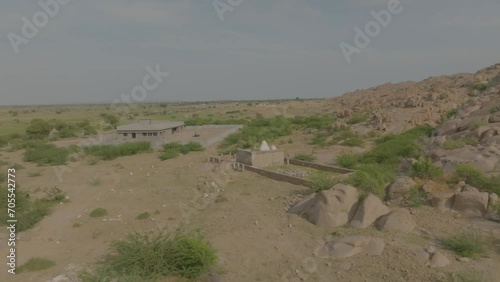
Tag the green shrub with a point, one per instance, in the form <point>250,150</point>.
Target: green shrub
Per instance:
<point>321,181</point>
<point>372,178</point>
<point>36,264</point>
<point>357,118</point>
<point>348,160</point>
<point>466,244</point>
<point>416,197</point>
<point>99,212</point>
<point>28,212</point>
<point>473,176</point>
<point>425,169</point>
<point>480,86</point>
<point>152,256</point>
<point>38,128</point>
<point>45,154</point>
<point>449,114</point>
<point>143,216</point>
<point>111,152</point>
<point>167,155</point>
<point>305,157</point>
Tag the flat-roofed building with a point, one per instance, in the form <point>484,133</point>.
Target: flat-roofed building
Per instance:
<point>148,130</point>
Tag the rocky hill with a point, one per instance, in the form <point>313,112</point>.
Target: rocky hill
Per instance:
<point>401,106</point>
<point>464,108</point>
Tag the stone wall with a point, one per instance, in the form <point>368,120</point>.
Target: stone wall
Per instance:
<point>279,176</point>
<point>320,166</point>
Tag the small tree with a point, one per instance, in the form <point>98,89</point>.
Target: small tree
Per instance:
<point>38,128</point>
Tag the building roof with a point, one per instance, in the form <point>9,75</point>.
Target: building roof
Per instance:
<point>150,127</point>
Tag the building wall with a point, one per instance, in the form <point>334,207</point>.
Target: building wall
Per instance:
<point>261,158</point>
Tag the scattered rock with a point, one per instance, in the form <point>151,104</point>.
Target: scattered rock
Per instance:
<point>352,245</point>
<point>368,211</point>
<point>399,220</point>
<point>439,260</point>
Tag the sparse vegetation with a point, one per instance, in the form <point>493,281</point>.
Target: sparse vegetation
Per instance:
<point>305,157</point>
<point>480,86</point>
<point>98,212</point>
<point>493,110</point>
<point>377,167</point>
<point>151,256</point>
<point>29,212</point>
<point>94,181</point>
<point>45,154</point>
<point>416,197</point>
<point>36,264</point>
<point>476,178</point>
<point>449,114</point>
<point>358,118</point>
<point>173,149</point>
<point>466,244</point>
<point>111,152</point>
<point>452,144</point>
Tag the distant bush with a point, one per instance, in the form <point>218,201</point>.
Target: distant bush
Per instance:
<point>452,144</point>
<point>143,216</point>
<point>480,86</point>
<point>38,128</point>
<point>173,149</point>
<point>466,244</point>
<point>473,176</point>
<point>36,264</point>
<point>99,212</point>
<point>348,160</point>
<point>425,169</point>
<point>305,157</point>
<point>45,154</point>
<point>111,152</point>
<point>153,256</point>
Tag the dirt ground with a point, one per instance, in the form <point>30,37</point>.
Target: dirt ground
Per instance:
<point>242,214</point>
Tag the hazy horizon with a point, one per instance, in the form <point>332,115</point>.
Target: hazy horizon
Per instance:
<point>93,52</point>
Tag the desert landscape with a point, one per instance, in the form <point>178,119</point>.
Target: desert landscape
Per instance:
<point>398,182</point>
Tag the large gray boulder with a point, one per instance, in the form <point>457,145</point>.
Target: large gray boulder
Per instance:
<point>470,203</point>
<point>368,211</point>
<point>333,207</point>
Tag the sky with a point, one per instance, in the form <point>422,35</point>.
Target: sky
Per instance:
<point>93,51</point>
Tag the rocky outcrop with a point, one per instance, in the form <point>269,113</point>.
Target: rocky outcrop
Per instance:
<point>352,245</point>
<point>333,207</point>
